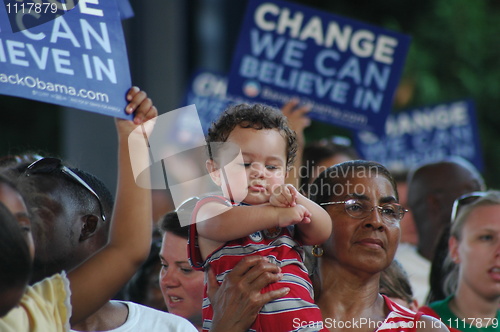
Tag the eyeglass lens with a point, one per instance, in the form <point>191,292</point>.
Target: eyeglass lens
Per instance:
<point>391,212</point>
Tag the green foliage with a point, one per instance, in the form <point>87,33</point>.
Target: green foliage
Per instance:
<point>454,54</point>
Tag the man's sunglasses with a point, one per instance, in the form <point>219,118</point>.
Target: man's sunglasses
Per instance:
<point>49,165</point>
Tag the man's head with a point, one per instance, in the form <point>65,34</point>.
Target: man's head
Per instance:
<point>67,208</point>
<point>432,188</point>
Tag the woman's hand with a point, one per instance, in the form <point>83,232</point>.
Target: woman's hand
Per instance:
<point>238,300</point>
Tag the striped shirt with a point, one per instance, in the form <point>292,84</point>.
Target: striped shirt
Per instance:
<point>400,319</point>
<point>296,311</point>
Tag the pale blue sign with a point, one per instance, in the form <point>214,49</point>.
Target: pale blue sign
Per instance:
<point>423,135</point>
<point>77,60</point>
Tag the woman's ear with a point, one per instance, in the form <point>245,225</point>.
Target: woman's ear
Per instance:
<point>453,249</point>
<point>214,171</point>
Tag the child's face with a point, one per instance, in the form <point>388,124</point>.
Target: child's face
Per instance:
<point>263,166</point>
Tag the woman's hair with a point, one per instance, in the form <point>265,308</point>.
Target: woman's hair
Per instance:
<point>394,282</point>
<point>441,266</point>
<point>331,182</point>
<point>170,223</point>
<point>490,197</point>
<point>15,257</point>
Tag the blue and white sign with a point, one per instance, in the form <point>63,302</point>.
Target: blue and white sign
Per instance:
<point>347,70</point>
<point>78,59</point>
<point>424,135</point>
<point>207,90</point>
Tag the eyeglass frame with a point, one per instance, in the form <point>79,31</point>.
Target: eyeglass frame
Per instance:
<point>72,175</point>
<point>457,203</point>
<point>379,207</point>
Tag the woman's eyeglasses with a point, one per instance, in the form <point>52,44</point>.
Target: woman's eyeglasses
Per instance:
<point>49,165</point>
<point>465,200</point>
<point>390,212</point>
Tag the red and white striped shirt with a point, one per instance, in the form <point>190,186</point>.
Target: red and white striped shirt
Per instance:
<point>285,314</point>
<point>400,319</point>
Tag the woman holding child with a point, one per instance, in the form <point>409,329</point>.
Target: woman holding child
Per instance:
<point>362,201</point>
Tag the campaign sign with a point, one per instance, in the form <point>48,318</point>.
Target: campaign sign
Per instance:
<point>207,90</point>
<point>78,59</point>
<point>347,70</point>
<point>424,135</point>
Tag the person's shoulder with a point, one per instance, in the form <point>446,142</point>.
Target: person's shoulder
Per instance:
<point>148,318</point>
<point>54,290</point>
<point>47,302</point>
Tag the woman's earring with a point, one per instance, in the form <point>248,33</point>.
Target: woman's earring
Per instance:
<point>317,251</point>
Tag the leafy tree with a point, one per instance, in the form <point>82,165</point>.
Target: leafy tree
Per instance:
<point>454,54</point>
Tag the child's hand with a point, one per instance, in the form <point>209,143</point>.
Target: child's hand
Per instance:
<point>283,196</point>
<point>294,215</point>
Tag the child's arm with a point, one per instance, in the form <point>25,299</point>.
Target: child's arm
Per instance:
<point>320,226</point>
<point>99,278</point>
<point>221,223</point>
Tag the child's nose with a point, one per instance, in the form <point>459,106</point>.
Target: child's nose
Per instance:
<point>257,170</point>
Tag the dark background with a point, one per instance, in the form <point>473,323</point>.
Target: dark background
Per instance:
<point>454,54</point>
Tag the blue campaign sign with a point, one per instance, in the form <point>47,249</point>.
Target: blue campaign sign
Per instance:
<point>347,70</point>
<point>207,90</point>
<point>78,59</point>
<point>424,135</point>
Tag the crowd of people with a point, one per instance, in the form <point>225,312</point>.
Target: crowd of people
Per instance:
<point>323,249</point>
<point>301,237</point>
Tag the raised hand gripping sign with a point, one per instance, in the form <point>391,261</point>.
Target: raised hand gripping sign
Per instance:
<point>69,53</point>
<point>347,70</point>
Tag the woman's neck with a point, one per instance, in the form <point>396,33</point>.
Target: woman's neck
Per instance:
<point>345,294</point>
<point>467,303</point>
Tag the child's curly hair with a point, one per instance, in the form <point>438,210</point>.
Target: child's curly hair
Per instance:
<point>255,116</point>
